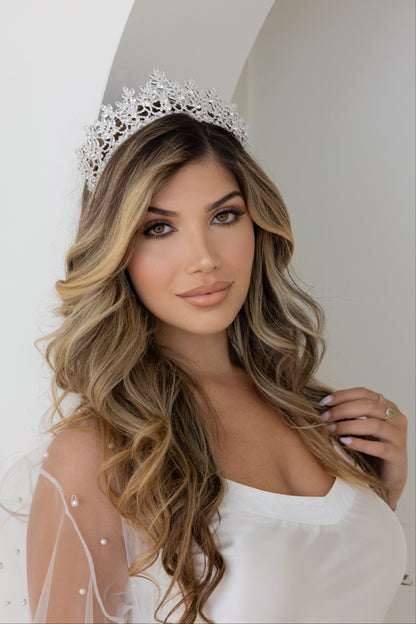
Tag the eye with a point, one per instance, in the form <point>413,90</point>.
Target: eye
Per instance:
<point>157,230</point>
<point>227,217</point>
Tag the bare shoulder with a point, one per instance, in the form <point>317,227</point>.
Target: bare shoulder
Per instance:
<point>75,454</point>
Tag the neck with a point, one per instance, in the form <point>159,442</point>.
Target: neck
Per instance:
<point>207,356</point>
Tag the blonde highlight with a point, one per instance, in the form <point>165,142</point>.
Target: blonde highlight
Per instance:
<point>157,427</point>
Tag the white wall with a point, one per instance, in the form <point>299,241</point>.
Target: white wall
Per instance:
<point>187,39</point>
<point>59,61</point>
<point>54,71</point>
<point>328,92</point>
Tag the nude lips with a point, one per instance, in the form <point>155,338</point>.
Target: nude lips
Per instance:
<point>207,299</point>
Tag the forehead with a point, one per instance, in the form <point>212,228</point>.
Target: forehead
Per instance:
<point>201,181</point>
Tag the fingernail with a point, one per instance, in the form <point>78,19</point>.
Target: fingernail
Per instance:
<point>326,400</point>
<point>326,415</point>
<point>346,440</point>
<point>332,427</point>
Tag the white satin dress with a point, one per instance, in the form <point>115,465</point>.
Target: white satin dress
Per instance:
<point>335,558</point>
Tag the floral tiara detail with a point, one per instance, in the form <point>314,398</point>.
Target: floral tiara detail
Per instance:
<point>157,98</point>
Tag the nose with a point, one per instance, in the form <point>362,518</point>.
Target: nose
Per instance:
<point>201,253</point>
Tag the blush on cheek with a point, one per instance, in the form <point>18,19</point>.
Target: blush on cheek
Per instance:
<point>243,252</point>
<point>148,272</point>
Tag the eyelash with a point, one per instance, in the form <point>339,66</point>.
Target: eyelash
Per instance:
<point>235,211</point>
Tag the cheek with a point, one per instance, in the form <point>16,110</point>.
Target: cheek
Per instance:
<point>241,250</point>
<point>148,272</point>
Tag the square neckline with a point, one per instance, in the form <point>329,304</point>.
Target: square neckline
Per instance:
<point>281,495</point>
<point>329,509</point>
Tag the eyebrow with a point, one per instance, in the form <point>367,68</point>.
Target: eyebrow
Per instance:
<point>208,208</point>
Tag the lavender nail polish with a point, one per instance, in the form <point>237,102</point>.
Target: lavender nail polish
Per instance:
<point>326,400</point>
<point>346,440</point>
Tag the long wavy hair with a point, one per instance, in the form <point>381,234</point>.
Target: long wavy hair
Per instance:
<point>151,413</point>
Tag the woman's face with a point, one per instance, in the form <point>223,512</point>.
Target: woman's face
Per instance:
<point>197,234</point>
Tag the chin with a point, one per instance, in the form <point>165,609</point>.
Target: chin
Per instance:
<point>207,331</point>
<point>204,326</point>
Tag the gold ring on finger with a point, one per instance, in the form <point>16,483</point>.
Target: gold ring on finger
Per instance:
<point>389,413</point>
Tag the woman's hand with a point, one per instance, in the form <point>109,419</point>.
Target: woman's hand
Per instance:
<point>360,412</point>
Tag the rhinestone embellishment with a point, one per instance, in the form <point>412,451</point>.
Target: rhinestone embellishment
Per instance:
<point>74,501</point>
<point>157,98</point>
<point>82,591</point>
<point>103,541</point>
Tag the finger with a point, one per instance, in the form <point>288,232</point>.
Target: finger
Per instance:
<point>359,409</point>
<point>371,427</point>
<point>350,394</point>
<point>355,394</point>
<point>384,450</point>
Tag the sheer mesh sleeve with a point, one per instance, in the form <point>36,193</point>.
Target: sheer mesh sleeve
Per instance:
<point>76,558</point>
<point>76,564</point>
<point>64,550</point>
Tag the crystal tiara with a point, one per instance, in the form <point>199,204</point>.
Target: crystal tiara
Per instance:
<point>157,98</point>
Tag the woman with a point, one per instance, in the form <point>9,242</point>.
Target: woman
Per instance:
<point>203,473</point>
